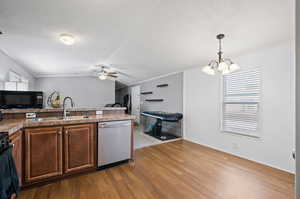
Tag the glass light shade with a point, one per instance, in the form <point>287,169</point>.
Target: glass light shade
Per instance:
<point>226,71</point>
<point>67,39</point>
<point>208,70</point>
<point>102,77</point>
<point>234,67</point>
<point>222,66</point>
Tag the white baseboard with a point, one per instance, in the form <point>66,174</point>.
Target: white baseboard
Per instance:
<point>218,149</point>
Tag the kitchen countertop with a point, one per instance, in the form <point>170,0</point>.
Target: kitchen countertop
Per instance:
<point>13,125</point>
<point>51,110</point>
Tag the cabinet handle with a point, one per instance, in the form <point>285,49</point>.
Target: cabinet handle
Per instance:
<point>59,133</point>
<point>102,126</point>
<point>67,132</point>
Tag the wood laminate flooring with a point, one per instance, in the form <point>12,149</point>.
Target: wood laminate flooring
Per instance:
<point>175,170</point>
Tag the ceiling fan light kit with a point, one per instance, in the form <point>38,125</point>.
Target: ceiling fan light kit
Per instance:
<point>103,74</point>
<point>220,65</point>
<point>102,77</point>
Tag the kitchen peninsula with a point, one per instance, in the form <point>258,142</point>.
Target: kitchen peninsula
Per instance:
<point>50,147</point>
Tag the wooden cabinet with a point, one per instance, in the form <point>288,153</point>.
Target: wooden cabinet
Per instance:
<point>51,152</point>
<point>79,147</point>
<point>43,153</point>
<point>17,152</point>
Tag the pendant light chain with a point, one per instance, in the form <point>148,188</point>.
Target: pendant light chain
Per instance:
<point>220,50</point>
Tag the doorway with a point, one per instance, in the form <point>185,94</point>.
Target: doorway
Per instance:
<point>136,102</point>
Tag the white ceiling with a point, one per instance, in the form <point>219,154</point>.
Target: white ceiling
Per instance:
<point>144,38</point>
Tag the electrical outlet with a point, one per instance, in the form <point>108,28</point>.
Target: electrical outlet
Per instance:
<point>30,115</point>
<point>99,112</point>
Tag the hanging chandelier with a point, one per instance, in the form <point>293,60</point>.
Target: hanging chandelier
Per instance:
<point>220,65</point>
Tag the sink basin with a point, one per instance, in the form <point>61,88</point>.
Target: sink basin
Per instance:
<point>45,119</point>
<point>76,118</point>
<point>41,119</point>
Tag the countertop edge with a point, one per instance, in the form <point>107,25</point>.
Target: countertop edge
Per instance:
<point>52,110</point>
<point>13,125</point>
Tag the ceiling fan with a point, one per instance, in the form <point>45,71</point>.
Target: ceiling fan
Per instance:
<point>103,72</point>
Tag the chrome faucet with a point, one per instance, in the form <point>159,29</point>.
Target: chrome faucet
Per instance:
<point>64,105</point>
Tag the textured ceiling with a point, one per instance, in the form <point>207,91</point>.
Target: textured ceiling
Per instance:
<point>143,38</point>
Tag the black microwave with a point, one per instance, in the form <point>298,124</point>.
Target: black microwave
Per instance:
<point>21,99</point>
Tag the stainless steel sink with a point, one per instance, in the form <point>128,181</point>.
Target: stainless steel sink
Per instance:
<point>41,119</point>
<point>45,119</point>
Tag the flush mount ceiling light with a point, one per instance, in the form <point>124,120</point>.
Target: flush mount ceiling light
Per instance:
<point>221,65</point>
<point>67,39</point>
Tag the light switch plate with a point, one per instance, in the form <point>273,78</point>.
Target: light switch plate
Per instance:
<point>30,115</point>
<point>99,112</point>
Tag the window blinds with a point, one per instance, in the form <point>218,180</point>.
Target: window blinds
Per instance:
<point>241,98</point>
<point>16,82</point>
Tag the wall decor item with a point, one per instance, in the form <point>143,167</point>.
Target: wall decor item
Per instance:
<point>54,100</point>
<point>162,85</point>
<point>154,100</point>
<point>221,65</point>
<point>147,93</point>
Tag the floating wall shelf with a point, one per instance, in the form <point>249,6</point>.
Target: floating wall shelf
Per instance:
<point>147,93</point>
<point>154,100</point>
<point>162,85</point>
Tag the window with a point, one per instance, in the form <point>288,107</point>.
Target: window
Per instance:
<point>241,99</point>
<point>16,82</point>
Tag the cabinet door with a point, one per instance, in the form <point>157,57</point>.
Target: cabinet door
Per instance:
<point>43,153</point>
<point>79,147</point>
<point>16,141</point>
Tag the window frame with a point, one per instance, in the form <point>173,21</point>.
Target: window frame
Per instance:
<point>254,134</point>
<point>19,80</point>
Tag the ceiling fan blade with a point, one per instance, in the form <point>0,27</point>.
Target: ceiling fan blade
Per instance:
<point>126,75</point>
<point>112,73</point>
<point>111,70</point>
<point>114,76</point>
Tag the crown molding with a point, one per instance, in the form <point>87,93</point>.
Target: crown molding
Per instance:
<point>65,75</point>
<point>155,78</point>
<point>75,75</point>
<point>91,75</point>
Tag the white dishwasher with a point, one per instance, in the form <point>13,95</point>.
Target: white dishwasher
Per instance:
<point>114,142</point>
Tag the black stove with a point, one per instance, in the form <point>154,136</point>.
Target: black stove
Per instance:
<point>4,141</point>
